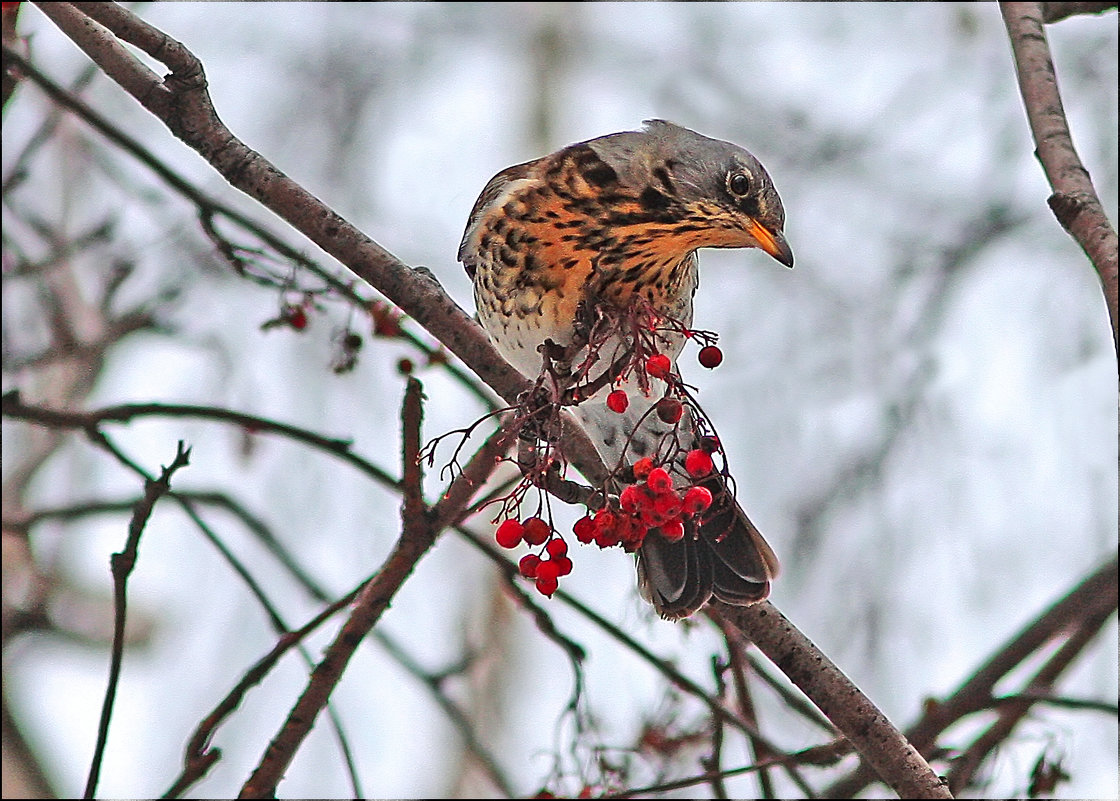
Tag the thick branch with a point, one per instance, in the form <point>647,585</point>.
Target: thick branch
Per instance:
<point>1095,595</point>
<point>182,102</point>
<point>1074,202</point>
<point>373,600</point>
<point>896,761</point>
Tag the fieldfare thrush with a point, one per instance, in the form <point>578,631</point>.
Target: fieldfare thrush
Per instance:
<point>557,245</point>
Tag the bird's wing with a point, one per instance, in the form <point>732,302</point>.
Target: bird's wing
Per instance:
<point>494,193</point>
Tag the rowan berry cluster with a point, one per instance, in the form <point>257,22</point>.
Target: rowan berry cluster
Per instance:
<point>652,504</point>
<point>663,494</point>
<point>545,567</point>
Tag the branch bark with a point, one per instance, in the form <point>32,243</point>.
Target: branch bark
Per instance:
<point>1075,202</point>
<point>1094,596</point>
<point>880,744</point>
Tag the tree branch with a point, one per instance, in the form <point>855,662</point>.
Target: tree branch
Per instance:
<point>121,565</point>
<point>1074,202</point>
<point>1094,595</point>
<point>373,600</point>
<point>897,762</point>
<point>182,102</point>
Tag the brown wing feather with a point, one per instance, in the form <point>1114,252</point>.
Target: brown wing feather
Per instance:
<point>490,193</point>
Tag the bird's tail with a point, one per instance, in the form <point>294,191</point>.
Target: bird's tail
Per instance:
<point>722,556</point>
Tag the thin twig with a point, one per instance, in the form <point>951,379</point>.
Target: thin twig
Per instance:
<point>14,407</point>
<point>121,565</point>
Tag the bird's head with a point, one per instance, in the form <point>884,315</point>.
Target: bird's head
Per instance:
<point>717,193</point>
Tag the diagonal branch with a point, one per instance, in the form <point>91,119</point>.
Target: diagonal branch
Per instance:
<point>1075,202</point>
<point>897,762</point>
<point>182,102</point>
<point>121,565</point>
<point>1093,596</point>
<point>372,601</point>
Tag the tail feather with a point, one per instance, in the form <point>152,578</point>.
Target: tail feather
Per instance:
<point>725,557</point>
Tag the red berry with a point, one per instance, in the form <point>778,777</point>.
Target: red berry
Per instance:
<point>659,480</point>
<point>528,565</point>
<point>547,586</point>
<point>648,515</point>
<point>604,519</point>
<point>296,317</point>
<point>617,401</point>
<point>710,356</point>
<point>556,547</point>
<point>673,530</point>
<point>709,444</point>
<point>563,565</point>
<point>667,505</point>
<point>536,531</point>
<point>642,467</point>
<point>509,534</point>
<point>669,410</point>
<point>631,498</point>
<point>607,538</point>
<point>631,532</point>
<point>584,529</point>
<point>548,570</point>
<point>606,528</point>
<point>658,365</point>
<point>696,500</point>
<point>698,463</point>
<point>634,541</point>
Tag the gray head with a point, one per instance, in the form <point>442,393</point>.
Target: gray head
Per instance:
<point>721,185</point>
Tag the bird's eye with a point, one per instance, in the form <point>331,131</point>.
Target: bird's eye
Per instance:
<point>738,183</point>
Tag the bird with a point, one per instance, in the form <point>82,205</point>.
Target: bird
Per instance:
<point>582,235</point>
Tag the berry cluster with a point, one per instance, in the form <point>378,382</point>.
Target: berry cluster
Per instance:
<point>664,493</point>
<point>548,566</point>
<point>651,503</point>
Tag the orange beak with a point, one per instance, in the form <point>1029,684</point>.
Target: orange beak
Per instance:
<point>772,242</point>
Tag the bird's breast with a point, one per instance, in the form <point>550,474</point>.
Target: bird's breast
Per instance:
<point>542,252</point>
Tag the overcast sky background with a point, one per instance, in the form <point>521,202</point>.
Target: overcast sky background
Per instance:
<point>921,416</point>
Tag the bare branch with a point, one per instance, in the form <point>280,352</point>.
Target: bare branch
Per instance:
<point>373,600</point>
<point>897,762</point>
<point>1012,712</point>
<point>1055,12</point>
<point>1094,595</point>
<point>199,756</point>
<point>16,409</point>
<point>182,102</point>
<point>122,564</point>
<point>1075,202</point>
